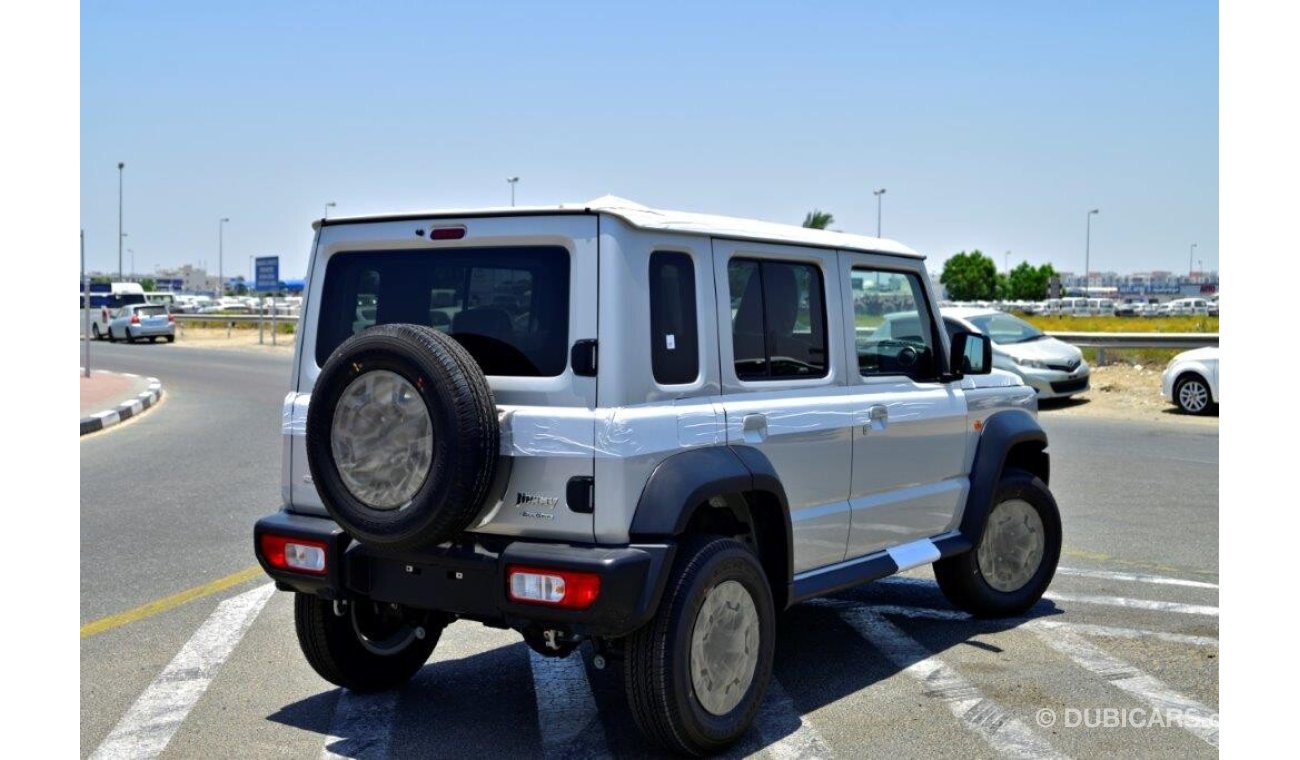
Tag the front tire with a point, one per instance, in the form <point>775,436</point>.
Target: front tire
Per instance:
<point>369,646</point>
<point>1008,570</point>
<point>1192,395</point>
<point>696,673</point>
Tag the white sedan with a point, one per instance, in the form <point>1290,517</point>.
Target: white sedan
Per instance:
<point>1191,381</point>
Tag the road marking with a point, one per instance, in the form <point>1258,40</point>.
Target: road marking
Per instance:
<point>169,602</point>
<point>1195,717</point>
<point>1005,733</point>
<point>783,733</point>
<point>1109,560</point>
<point>1106,631</point>
<point>362,727</point>
<point>149,725</point>
<point>566,711</point>
<point>1134,577</point>
<point>1136,604</point>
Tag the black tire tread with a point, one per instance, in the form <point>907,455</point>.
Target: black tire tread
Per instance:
<point>477,435</point>
<point>647,661</point>
<point>959,576</point>
<point>331,648</point>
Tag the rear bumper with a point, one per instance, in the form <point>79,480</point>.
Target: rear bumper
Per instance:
<point>469,580</point>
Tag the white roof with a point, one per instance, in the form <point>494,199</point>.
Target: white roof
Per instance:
<point>646,218</point>
<point>966,312</point>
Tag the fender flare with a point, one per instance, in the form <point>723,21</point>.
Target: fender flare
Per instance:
<point>683,482</point>
<point>1003,432</point>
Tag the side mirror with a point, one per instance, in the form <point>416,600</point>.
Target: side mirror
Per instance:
<point>972,354</point>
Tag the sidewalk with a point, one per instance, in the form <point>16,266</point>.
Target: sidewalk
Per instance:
<point>108,398</point>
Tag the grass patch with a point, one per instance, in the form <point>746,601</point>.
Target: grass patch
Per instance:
<point>1151,358</point>
<point>1193,324</point>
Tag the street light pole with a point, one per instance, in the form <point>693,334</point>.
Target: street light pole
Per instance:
<point>1190,254</point>
<point>879,194</point>
<point>512,181</point>
<point>1087,253</point>
<point>120,166</point>
<point>329,206</point>
<point>1006,263</point>
<point>131,251</point>
<point>221,252</point>
<point>85,305</point>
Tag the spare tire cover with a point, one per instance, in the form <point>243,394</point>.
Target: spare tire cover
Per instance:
<point>402,436</point>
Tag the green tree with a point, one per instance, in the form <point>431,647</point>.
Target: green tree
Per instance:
<point>1029,283</point>
<point>970,277</point>
<point>148,284</point>
<point>818,219</point>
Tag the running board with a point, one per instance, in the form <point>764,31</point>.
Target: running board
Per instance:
<point>854,572</point>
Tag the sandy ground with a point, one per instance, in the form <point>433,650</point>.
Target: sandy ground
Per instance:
<point>1128,391</point>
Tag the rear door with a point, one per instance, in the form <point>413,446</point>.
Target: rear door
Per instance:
<point>517,292</point>
<point>782,382</point>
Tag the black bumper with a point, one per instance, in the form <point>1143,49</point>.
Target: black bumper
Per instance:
<point>469,579</point>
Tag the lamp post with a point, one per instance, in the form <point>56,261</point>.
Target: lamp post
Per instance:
<point>1006,263</point>
<point>1190,254</point>
<point>1087,253</point>
<point>131,252</point>
<point>879,195</point>
<point>221,253</point>
<point>512,181</point>
<point>85,307</point>
<point>120,166</point>
<point>329,206</point>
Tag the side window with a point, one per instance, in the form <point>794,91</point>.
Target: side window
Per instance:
<point>367,301</point>
<point>778,319</point>
<point>894,329</point>
<point>674,331</point>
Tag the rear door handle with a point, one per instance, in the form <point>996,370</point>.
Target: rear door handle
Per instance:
<point>877,418</point>
<point>754,428</point>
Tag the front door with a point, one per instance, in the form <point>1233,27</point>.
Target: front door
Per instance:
<point>909,440</point>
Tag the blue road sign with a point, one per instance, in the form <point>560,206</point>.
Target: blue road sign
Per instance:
<point>268,273</point>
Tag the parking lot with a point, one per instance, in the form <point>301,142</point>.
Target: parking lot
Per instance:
<point>1122,657</point>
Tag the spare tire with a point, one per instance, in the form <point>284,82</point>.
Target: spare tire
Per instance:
<point>402,436</point>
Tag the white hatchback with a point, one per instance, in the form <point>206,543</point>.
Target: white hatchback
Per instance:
<point>1191,381</point>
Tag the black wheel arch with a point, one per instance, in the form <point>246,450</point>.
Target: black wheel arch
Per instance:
<point>1009,439</point>
<point>686,486</point>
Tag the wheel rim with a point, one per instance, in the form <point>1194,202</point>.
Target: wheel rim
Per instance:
<point>1012,548</point>
<point>1193,396</point>
<point>382,440</point>
<point>381,629</point>
<point>724,647</point>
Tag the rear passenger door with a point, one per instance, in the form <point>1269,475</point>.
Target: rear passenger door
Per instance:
<point>909,436</point>
<point>783,382</point>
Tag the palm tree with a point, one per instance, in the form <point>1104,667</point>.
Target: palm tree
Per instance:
<point>818,219</point>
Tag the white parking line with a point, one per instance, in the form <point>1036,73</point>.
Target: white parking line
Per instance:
<point>1192,716</point>
<point>362,727</point>
<point>1106,631</point>
<point>1134,577</point>
<point>151,722</point>
<point>1137,604</point>
<point>566,711</point>
<point>1006,734</point>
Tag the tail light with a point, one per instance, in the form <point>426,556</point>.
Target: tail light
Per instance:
<point>295,554</point>
<point>170,318</point>
<point>556,588</point>
<point>135,319</point>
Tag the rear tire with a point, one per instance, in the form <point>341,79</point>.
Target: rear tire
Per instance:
<point>171,338</point>
<point>1022,524</point>
<point>129,337</point>
<point>95,333</point>
<point>336,650</point>
<point>699,694</point>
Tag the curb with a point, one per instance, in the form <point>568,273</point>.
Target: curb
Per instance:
<point>123,411</point>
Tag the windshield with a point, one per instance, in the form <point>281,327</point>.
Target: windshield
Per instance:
<point>1004,328</point>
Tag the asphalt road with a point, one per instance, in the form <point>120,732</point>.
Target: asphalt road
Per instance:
<point>168,502</point>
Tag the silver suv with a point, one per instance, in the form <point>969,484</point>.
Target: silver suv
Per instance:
<point>648,430</point>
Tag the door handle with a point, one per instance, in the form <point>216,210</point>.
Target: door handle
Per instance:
<point>877,419</point>
<point>754,428</point>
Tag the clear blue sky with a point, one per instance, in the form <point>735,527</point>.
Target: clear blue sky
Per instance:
<point>992,125</point>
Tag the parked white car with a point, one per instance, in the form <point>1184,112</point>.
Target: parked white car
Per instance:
<point>1191,381</point>
<point>1053,368</point>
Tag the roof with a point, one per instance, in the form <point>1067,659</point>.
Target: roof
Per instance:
<point>966,312</point>
<point>664,220</point>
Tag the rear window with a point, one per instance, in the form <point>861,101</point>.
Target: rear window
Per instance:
<point>151,311</point>
<point>509,307</point>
